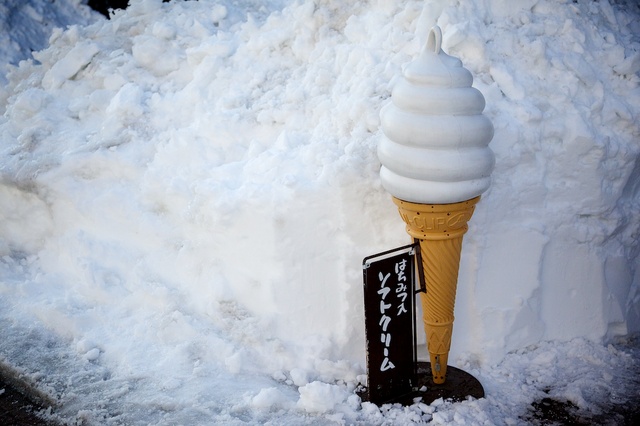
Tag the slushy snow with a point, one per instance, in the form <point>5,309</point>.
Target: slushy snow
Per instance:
<point>187,191</point>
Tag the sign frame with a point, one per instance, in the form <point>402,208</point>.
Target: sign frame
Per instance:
<point>390,322</point>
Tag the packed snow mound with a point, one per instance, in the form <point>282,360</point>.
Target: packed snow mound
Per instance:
<point>191,186</point>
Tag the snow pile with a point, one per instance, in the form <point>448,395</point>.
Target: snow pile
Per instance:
<point>561,86</point>
<point>187,191</point>
<point>25,26</point>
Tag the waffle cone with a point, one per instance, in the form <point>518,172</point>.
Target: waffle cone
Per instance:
<point>439,228</point>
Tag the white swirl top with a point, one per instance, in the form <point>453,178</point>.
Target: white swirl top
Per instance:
<point>436,146</point>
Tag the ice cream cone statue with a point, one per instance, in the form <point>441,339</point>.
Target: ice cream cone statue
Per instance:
<point>436,163</point>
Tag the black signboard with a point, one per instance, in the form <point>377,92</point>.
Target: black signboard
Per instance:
<point>389,310</point>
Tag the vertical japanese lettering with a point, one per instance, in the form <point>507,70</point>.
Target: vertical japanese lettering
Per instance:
<point>384,321</point>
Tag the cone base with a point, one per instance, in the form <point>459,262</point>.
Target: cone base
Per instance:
<point>439,367</point>
<point>459,386</point>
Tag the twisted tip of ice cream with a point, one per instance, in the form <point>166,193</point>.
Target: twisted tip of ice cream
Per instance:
<point>436,146</point>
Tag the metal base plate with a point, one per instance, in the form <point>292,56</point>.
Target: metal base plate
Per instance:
<point>458,387</point>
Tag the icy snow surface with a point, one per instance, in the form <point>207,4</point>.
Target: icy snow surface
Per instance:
<point>187,191</point>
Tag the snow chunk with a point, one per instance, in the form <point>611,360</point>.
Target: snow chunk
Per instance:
<point>318,397</point>
<point>271,398</point>
<point>67,67</point>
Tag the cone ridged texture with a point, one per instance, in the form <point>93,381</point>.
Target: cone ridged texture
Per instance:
<point>439,228</point>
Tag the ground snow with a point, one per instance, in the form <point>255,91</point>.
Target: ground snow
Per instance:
<point>187,191</point>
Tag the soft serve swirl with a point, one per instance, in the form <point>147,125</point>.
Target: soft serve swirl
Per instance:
<point>436,146</point>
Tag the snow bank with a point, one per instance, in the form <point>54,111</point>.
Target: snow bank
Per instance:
<point>564,262</point>
<point>188,189</point>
